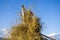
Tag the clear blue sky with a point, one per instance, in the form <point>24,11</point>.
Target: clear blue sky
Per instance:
<point>47,10</point>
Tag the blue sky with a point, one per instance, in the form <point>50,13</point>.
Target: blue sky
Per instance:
<point>47,10</point>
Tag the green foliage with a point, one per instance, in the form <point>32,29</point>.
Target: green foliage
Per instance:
<point>29,29</point>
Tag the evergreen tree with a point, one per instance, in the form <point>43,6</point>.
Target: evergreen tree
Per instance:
<point>29,29</point>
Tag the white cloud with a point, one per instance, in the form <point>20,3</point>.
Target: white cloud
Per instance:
<point>4,30</point>
<point>52,34</point>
